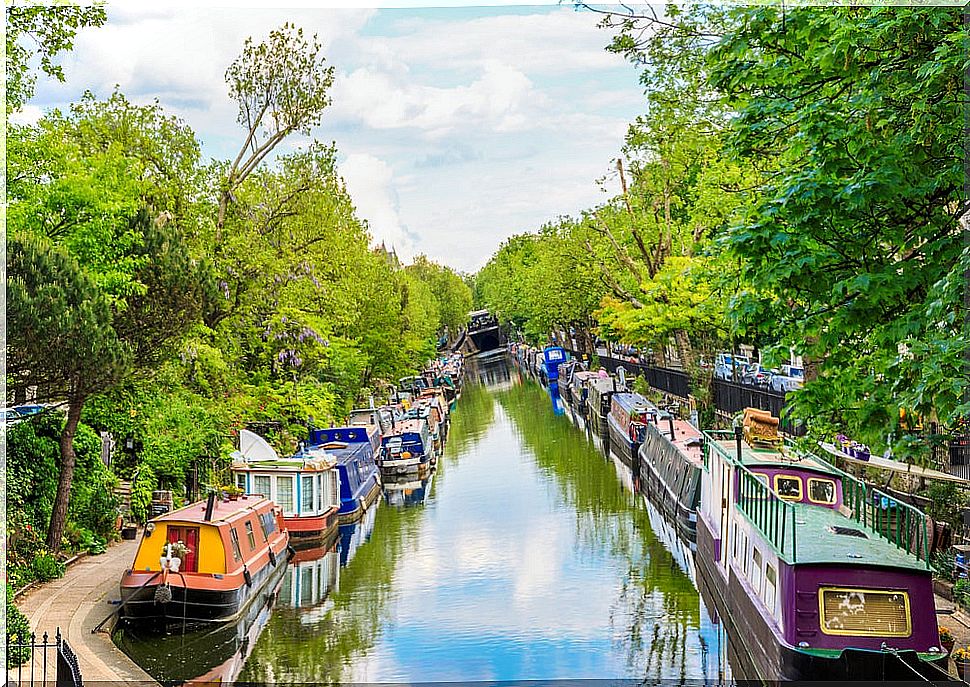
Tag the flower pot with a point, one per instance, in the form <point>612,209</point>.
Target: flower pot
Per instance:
<point>948,645</point>
<point>963,669</point>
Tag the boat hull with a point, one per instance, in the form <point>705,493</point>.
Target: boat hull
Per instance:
<point>308,532</point>
<point>192,603</point>
<point>624,447</point>
<point>353,510</point>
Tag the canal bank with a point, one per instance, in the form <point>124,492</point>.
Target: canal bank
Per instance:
<point>77,603</point>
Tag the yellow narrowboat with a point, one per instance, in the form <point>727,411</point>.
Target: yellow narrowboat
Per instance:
<point>205,562</point>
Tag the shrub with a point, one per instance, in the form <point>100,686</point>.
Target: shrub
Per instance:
<point>141,492</point>
<point>18,630</point>
<point>961,591</point>
<point>47,568</point>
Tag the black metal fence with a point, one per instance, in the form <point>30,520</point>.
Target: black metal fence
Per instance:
<point>39,661</point>
<point>730,398</point>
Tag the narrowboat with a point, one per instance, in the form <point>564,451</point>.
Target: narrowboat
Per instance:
<point>670,471</point>
<point>407,448</point>
<point>355,450</point>
<point>579,387</point>
<point>626,422</point>
<point>601,390</point>
<point>305,486</point>
<point>205,562</point>
<point>204,655</point>
<point>552,358</point>
<point>818,575</point>
<point>382,418</point>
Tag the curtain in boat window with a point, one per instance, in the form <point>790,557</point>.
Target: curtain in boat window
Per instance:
<point>306,494</point>
<point>284,493</point>
<point>261,485</point>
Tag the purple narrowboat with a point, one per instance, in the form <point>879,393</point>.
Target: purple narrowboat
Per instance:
<point>818,576</point>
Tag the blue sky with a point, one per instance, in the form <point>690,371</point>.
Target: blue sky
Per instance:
<point>456,127</point>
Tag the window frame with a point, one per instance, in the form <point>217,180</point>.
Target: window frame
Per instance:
<point>863,633</point>
<point>835,494</point>
<point>250,535</point>
<point>801,486</point>
<point>234,542</point>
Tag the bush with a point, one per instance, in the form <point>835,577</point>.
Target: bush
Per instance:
<point>47,568</point>
<point>141,492</point>
<point>18,630</point>
<point>961,591</point>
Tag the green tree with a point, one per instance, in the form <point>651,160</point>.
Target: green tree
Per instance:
<point>101,280</point>
<point>41,31</point>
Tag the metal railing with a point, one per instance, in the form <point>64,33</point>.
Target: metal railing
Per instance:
<point>771,514</point>
<point>901,524</point>
<point>29,661</point>
<point>896,521</point>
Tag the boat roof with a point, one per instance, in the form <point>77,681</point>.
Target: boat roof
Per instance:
<point>825,545</point>
<point>222,511</point>
<point>602,383</point>
<point>684,433</point>
<point>631,401</point>
<point>753,456</point>
<point>409,425</point>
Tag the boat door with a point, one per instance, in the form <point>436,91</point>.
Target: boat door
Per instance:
<point>725,505</point>
<point>190,537</point>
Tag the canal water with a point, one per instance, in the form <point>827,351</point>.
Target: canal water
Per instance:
<point>525,557</point>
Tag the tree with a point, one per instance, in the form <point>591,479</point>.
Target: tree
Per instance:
<point>856,234</point>
<point>101,276</point>
<point>51,30</point>
<point>281,87</point>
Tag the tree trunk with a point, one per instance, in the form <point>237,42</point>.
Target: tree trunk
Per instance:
<point>68,459</point>
<point>684,350</point>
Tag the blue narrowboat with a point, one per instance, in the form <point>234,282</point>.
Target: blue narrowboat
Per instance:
<point>552,358</point>
<point>408,447</point>
<point>355,450</point>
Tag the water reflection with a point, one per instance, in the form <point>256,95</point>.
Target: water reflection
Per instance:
<point>406,492</point>
<point>558,407</point>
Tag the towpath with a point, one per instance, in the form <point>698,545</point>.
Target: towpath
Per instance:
<point>76,603</point>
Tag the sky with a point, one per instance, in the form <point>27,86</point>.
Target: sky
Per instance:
<point>456,127</point>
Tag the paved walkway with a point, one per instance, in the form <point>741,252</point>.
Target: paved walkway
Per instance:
<point>76,603</point>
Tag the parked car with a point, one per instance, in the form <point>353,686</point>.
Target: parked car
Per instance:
<point>756,375</point>
<point>30,409</point>
<point>9,415</point>
<point>725,363</point>
<point>788,378</point>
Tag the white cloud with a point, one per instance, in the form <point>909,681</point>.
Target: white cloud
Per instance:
<point>370,183</point>
<point>28,114</point>
<point>497,100</point>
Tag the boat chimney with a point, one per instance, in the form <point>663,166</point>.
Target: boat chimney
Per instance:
<point>209,505</point>
<point>737,440</point>
<point>670,424</point>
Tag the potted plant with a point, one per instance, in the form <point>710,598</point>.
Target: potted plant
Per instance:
<point>947,640</point>
<point>962,658</point>
<point>232,492</point>
<point>180,549</point>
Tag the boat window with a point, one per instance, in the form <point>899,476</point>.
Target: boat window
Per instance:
<point>318,493</point>
<point>756,572</point>
<point>269,524</point>
<point>234,540</point>
<point>241,480</point>
<point>761,477</point>
<point>735,537</point>
<point>821,491</point>
<point>261,485</point>
<point>789,487</point>
<point>864,612</point>
<point>249,535</point>
<point>770,582</point>
<point>284,493</point>
<point>306,494</point>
